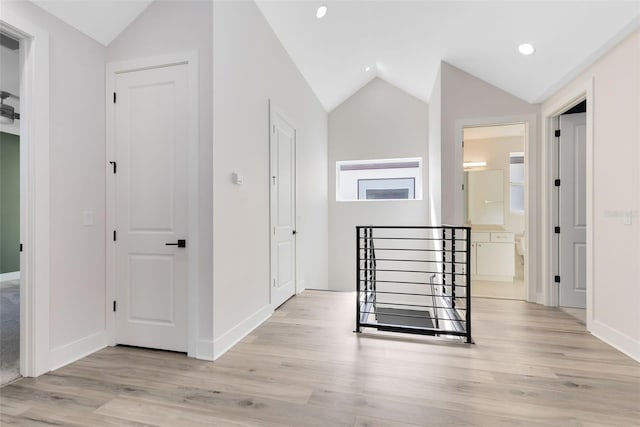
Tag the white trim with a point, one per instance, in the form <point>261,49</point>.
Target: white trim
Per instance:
<point>616,339</point>
<point>531,182</point>
<point>34,192</point>
<point>189,58</point>
<point>13,275</point>
<point>205,350</point>
<point>301,285</point>
<point>581,90</point>
<point>241,330</point>
<point>69,353</point>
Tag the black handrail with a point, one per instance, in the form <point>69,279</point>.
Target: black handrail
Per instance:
<point>392,294</point>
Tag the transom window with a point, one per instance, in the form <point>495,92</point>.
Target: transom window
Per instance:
<point>379,179</point>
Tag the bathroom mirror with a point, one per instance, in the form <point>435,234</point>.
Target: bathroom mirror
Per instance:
<point>485,197</point>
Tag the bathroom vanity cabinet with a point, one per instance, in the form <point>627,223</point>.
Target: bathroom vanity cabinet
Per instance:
<point>492,255</point>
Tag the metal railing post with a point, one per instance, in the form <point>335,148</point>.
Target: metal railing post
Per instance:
<point>358,329</point>
<point>468,282</point>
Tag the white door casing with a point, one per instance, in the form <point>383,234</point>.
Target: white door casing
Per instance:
<point>35,352</point>
<point>283,209</point>
<point>572,214</point>
<point>152,200</point>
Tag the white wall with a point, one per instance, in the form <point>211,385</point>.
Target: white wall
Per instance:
<point>435,152</point>
<point>466,101</point>
<point>616,188</point>
<point>465,97</point>
<point>77,182</point>
<point>190,28</point>
<point>378,122</point>
<point>250,68</point>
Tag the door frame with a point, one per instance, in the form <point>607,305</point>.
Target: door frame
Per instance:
<point>530,222</point>
<point>190,59</point>
<point>34,193</point>
<point>583,90</point>
<point>273,109</point>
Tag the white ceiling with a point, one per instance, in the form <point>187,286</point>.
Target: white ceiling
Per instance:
<point>404,41</point>
<point>102,20</point>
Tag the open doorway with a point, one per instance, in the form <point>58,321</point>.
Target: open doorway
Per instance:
<point>494,205</point>
<point>570,209</point>
<point>10,160</point>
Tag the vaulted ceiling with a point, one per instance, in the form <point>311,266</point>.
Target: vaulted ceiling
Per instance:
<point>403,42</point>
<point>102,20</point>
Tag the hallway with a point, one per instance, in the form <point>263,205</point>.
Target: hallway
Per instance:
<point>531,365</point>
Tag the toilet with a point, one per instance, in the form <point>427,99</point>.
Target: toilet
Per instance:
<point>520,245</point>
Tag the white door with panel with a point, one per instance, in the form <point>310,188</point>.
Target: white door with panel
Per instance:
<point>151,253</point>
<point>572,211</point>
<point>283,210</point>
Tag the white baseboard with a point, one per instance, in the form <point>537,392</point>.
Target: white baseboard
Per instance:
<point>14,275</point>
<point>204,350</point>
<point>241,330</point>
<point>68,353</point>
<point>301,286</point>
<point>616,339</point>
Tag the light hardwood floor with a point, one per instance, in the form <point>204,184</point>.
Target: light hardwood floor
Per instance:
<point>531,365</point>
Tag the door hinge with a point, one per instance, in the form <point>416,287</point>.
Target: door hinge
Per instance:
<point>557,133</point>
<point>114,97</point>
<point>556,183</point>
<point>462,187</point>
<point>274,128</point>
<point>114,235</point>
<point>20,247</point>
<point>114,305</point>
<point>556,279</point>
<point>463,143</point>
<point>556,230</point>
<point>274,283</point>
<point>115,166</point>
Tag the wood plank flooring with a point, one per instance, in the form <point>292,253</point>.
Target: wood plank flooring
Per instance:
<point>531,365</point>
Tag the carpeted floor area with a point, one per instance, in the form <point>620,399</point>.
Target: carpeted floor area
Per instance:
<point>9,331</point>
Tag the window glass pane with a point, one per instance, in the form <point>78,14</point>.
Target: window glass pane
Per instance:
<point>517,198</point>
<point>516,173</point>
<point>393,188</point>
<point>379,179</point>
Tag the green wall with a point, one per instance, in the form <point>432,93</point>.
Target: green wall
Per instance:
<point>9,202</point>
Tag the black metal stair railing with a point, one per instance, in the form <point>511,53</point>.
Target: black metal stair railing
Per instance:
<point>414,279</point>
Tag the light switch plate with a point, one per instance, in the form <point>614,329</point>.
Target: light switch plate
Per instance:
<point>87,217</point>
<point>237,178</point>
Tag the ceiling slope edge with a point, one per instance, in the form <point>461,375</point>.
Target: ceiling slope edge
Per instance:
<point>601,52</point>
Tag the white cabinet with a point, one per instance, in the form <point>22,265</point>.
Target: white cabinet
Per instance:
<point>492,256</point>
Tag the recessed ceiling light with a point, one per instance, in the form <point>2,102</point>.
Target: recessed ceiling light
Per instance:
<point>368,69</point>
<point>322,10</point>
<point>526,49</point>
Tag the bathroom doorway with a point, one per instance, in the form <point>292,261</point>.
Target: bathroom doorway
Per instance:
<point>495,208</point>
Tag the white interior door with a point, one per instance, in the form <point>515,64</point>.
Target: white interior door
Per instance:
<point>283,210</point>
<point>573,211</point>
<point>151,134</point>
